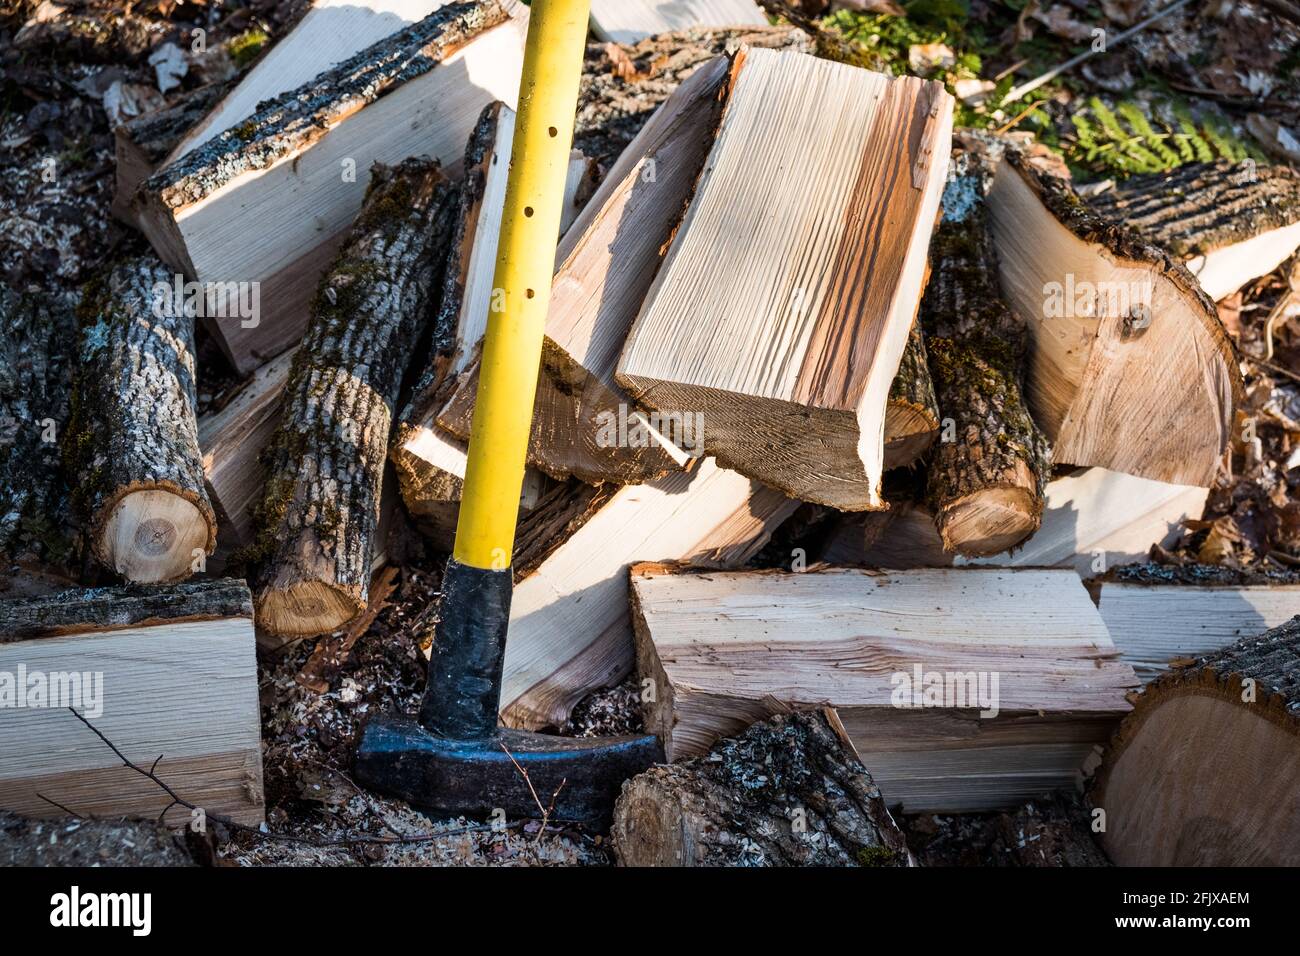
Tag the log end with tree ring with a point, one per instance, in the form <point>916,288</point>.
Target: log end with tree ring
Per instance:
<point>305,608</point>
<point>989,521</point>
<point>154,536</point>
<point>653,825</point>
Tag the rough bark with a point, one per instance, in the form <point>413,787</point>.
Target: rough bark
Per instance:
<point>38,341</point>
<point>110,609</point>
<point>789,791</point>
<point>986,485</point>
<point>144,142</point>
<point>320,511</point>
<point>912,416</point>
<point>622,84</point>
<point>293,120</point>
<point>133,440</point>
<point>1197,208</point>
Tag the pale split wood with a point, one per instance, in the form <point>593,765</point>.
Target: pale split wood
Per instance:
<point>569,628</point>
<point>793,367</point>
<point>1158,627</point>
<point>726,648</point>
<point>177,679</point>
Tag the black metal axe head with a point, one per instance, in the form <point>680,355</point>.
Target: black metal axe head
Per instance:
<point>455,760</point>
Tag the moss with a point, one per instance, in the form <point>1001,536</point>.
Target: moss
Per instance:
<point>245,131</point>
<point>877,856</point>
<point>244,48</point>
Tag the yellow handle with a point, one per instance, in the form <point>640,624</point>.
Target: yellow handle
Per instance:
<point>530,226</point>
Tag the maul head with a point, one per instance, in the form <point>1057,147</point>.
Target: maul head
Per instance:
<point>455,760</point>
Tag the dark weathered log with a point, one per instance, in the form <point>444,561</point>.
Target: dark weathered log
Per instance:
<point>622,84</point>
<point>1229,222</point>
<point>1205,769</point>
<point>986,479</point>
<point>789,791</point>
<point>109,609</point>
<point>912,415</point>
<point>132,442</point>
<point>320,510</point>
<point>38,340</point>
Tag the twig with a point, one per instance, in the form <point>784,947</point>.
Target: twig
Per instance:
<point>178,800</point>
<point>1019,91</point>
<point>55,803</point>
<point>1005,127</point>
<point>546,811</point>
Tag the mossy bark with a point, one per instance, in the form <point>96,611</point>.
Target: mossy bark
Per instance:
<point>987,478</point>
<point>38,342</point>
<point>320,511</point>
<point>108,609</point>
<point>787,792</point>
<point>1197,208</point>
<point>133,426</point>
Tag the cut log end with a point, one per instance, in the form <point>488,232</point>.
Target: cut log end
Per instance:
<point>989,521</point>
<point>305,609</point>
<point>155,536</point>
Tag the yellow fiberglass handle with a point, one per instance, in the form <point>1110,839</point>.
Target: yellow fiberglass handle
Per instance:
<point>530,225</point>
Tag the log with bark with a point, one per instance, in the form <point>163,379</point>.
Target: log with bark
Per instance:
<point>1157,627</point>
<point>1228,222</point>
<point>38,346</point>
<point>132,440</point>
<point>985,481</point>
<point>142,144</point>
<point>628,21</point>
<point>789,791</point>
<point>193,708</point>
<point>1130,368</point>
<point>1093,519</point>
<point>963,690</point>
<point>912,415</point>
<point>784,344</point>
<point>320,509</point>
<point>300,160</point>
<point>1205,770</point>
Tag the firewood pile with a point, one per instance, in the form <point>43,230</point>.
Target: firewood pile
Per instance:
<point>868,454</point>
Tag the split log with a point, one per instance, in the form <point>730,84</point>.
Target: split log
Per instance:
<point>320,510</point>
<point>628,21</point>
<point>962,690</point>
<point>912,415</point>
<point>133,439</point>
<point>1130,368</point>
<point>782,343</point>
<point>1093,519</point>
<point>38,347</point>
<point>789,791</point>
<point>1204,772</point>
<point>194,705</point>
<point>569,628</point>
<point>141,145</point>
<point>1157,627</point>
<point>1228,222</point>
<point>985,486</point>
<point>299,160</point>
<point>584,424</point>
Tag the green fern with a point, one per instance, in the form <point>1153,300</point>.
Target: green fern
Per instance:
<point>1129,139</point>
